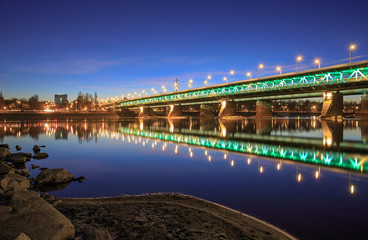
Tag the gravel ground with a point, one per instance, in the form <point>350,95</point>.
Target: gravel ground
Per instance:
<point>163,216</point>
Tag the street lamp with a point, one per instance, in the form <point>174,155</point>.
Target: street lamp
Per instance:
<point>249,74</point>
<point>208,78</point>
<point>152,90</point>
<point>225,79</point>
<point>298,59</point>
<point>259,68</point>
<point>278,68</point>
<point>317,61</point>
<point>190,83</point>
<point>231,73</point>
<point>351,48</point>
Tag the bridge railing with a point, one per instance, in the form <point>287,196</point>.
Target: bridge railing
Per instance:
<point>308,80</point>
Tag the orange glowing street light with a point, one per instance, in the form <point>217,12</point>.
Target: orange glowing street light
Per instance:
<point>259,68</point>
<point>231,73</point>
<point>249,74</point>
<point>317,61</point>
<point>352,47</point>
<point>278,68</point>
<point>298,59</point>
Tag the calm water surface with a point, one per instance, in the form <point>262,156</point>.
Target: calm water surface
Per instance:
<point>303,175</point>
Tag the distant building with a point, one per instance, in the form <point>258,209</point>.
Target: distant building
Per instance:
<point>61,99</point>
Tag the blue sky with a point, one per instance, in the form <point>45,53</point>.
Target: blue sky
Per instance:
<point>118,47</point>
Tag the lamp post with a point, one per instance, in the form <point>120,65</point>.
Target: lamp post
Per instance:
<point>231,73</point>
<point>298,59</point>
<point>225,79</point>
<point>190,83</point>
<point>259,68</point>
<point>208,78</point>
<point>351,48</point>
<point>317,61</point>
<point>278,68</point>
<point>249,74</point>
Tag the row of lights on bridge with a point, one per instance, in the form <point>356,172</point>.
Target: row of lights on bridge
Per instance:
<point>227,79</point>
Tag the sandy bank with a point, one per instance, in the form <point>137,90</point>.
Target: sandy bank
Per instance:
<point>163,216</point>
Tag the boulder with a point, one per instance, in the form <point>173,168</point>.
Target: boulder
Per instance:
<point>4,153</point>
<point>27,155</point>
<point>34,166</point>
<point>18,148</point>
<point>99,234</point>
<point>40,155</point>
<point>54,176</point>
<point>5,168</point>
<point>18,158</point>
<point>22,236</point>
<point>12,182</point>
<point>81,179</point>
<point>4,145</point>
<point>34,217</point>
<point>36,149</point>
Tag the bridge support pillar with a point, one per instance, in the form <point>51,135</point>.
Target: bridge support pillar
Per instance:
<point>175,111</point>
<point>228,108</point>
<point>332,105</point>
<point>145,112</point>
<point>207,110</point>
<point>364,107</point>
<point>263,109</point>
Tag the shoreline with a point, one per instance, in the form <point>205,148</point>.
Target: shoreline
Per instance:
<point>162,216</point>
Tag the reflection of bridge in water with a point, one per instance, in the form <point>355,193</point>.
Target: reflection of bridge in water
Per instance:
<point>344,155</point>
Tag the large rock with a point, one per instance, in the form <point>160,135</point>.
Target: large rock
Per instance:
<point>40,155</point>
<point>4,153</point>
<point>22,236</point>
<point>54,176</point>
<point>36,149</point>
<point>12,182</point>
<point>5,168</point>
<point>27,155</point>
<point>34,217</point>
<point>18,158</point>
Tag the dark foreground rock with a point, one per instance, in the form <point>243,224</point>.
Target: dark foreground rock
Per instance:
<point>4,153</point>
<point>54,176</point>
<point>35,217</point>
<point>13,182</point>
<point>40,155</point>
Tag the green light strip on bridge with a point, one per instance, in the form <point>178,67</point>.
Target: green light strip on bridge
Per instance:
<point>321,79</point>
<point>348,161</point>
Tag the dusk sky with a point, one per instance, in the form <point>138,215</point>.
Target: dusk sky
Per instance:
<point>118,47</point>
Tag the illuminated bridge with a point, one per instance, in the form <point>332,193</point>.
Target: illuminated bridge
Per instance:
<point>330,82</point>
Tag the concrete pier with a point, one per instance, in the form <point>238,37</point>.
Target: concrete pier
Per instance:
<point>175,111</point>
<point>263,109</point>
<point>228,108</point>
<point>332,105</point>
<point>145,112</point>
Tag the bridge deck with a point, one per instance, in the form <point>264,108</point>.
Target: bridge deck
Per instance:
<point>333,78</point>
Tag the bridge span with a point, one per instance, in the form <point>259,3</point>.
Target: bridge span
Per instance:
<point>331,83</point>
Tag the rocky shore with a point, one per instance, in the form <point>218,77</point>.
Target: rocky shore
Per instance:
<point>27,211</point>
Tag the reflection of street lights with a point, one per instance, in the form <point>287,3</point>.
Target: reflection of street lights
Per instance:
<point>259,68</point>
<point>249,74</point>
<point>298,59</point>
<point>351,48</point>
<point>317,61</point>
<point>278,68</point>
<point>231,73</point>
